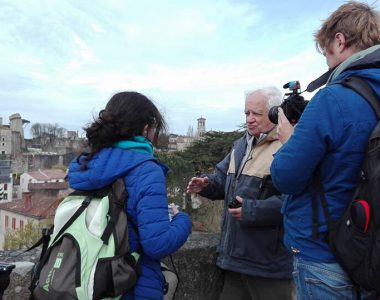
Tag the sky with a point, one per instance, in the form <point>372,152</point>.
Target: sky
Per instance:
<point>62,60</point>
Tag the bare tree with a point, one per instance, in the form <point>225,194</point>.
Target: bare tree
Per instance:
<point>46,133</point>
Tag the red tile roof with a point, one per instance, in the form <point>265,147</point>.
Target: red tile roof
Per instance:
<point>41,207</point>
<point>43,175</point>
<point>48,186</point>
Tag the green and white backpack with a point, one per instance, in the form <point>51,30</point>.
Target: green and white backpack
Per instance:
<point>87,256</point>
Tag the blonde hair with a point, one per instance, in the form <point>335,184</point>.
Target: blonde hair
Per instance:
<point>358,22</point>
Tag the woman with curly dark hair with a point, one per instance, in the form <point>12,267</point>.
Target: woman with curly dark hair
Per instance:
<point>120,142</point>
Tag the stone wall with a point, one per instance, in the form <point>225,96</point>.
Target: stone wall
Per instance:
<point>195,263</point>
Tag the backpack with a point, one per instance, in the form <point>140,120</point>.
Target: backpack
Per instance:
<point>87,255</point>
<point>355,237</point>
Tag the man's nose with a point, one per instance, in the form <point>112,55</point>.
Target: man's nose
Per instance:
<point>251,118</point>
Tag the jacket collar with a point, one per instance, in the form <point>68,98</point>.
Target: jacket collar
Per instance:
<point>271,136</point>
<point>368,58</point>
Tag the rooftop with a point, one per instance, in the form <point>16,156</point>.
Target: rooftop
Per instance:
<point>50,174</point>
<point>40,207</point>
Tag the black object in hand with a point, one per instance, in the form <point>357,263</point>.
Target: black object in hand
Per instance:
<point>234,204</point>
<point>5,272</point>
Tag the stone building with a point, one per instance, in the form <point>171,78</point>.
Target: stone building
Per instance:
<point>12,136</point>
<point>201,128</point>
<point>181,142</point>
<point>41,177</point>
<point>6,184</point>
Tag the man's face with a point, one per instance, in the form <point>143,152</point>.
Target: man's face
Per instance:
<point>256,115</point>
<point>332,58</point>
<point>336,52</point>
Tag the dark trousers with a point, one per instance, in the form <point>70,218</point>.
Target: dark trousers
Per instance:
<point>243,287</point>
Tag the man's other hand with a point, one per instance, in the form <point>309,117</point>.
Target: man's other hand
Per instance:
<point>236,212</point>
<point>196,184</point>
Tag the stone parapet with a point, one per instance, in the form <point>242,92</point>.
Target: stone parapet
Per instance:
<point>195,263</point>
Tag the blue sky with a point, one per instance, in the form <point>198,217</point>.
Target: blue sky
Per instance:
<point>61,60</point>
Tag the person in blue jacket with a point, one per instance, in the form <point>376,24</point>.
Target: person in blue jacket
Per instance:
<point>331,136</point>
<point>120,142</point>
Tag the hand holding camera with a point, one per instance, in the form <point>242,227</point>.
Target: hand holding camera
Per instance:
<point>284,128</point>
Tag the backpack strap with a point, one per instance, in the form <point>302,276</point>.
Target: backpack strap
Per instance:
<point>45,241</point>
<point>318,190</point>
<point>363,88</point>
<point>117,197</point>
<point>79,211</point>
<point>46,232</point>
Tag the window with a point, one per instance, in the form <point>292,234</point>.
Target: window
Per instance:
<point>14,223</point>
<point>21,224</point>
<point>2,144</point>
<point>2,152</point>
<point>6,222</point>
<point>5,186</point>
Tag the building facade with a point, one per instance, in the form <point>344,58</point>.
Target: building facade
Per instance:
<point>37,207</point>
<point>41,177</point>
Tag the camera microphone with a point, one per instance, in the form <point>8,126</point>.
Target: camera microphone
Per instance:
<point>292,85</point>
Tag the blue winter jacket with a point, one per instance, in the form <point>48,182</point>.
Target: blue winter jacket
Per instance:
<point>332,135</point>
<point>147,208</point>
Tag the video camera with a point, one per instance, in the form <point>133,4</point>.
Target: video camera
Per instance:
<point>293,106</point>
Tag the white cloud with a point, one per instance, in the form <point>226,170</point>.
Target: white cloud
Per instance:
<point>85,54</point>
<point>97,28</point>
<point>193,57</point>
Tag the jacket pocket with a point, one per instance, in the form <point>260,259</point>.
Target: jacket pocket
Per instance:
<point>114,276</point>
<point>61,275</point>
<point>256,244</point>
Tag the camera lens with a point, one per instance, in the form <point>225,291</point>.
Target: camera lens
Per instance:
<point>273,114</point>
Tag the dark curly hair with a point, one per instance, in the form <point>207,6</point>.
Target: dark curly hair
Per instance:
<point>124,117</point>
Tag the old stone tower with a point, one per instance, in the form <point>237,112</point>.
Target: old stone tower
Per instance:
<point>201,128</point>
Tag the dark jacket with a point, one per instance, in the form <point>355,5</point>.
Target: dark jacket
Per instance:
<point>147,208</point>
<point>254,245</point>
<point>332,135</point>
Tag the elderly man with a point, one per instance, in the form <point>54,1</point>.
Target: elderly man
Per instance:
<point>256,264</point>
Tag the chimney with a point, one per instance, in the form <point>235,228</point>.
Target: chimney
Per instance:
<point>27,198</point>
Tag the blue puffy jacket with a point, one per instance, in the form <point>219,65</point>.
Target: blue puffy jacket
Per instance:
<point>147,208</point>
<point>331,135</point>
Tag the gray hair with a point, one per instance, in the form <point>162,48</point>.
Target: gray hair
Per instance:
<point>272,95</point>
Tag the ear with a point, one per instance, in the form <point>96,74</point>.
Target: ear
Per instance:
<point>145,130</point>
<point>340,41</point>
